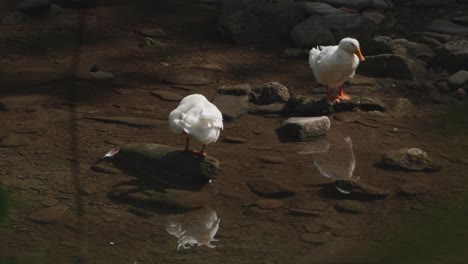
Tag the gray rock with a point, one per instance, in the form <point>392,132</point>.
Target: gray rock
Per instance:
<point>312,228</point>
<point>231,139</point>
<point>315,238</point>
<point>277,108</point>
<point>238,90</point>
<point>250,21</point>
<point>305,128</point>
<point>129,121</point>
<point>15,141</point>
<point>269,93</point>
<point>269,188</point>
<point>49,215</point>
<point>350,25</point>
<point>413,189</point>
<point>303,212</point>
<point>361,190</point>
<point>13,18</point>
<point>167,95</point>
<point>268,204</point>
<point>169,199</point>
<point>311,105</point>
<point>272,160</point>
<point>359,4</point>
<point>378,45</point>
<point>317,8</point>
<point>395,66</point>
<point>232,106</point>
<point>461,20</point>
<point>410,159</point>
<point>152,33</point>
<point>167,165</point>
<point>458,79</point>
<point>312,32</point>
<point>348,206</point>
<point>453,55</point>
<point>105,169</point>
<point>188,79</point>
<point>399,105</point>
<point>433,3</point>
<point>446,27</point>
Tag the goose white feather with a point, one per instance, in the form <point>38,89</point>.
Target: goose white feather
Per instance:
<point>333,65</point>
<point>198,118</point>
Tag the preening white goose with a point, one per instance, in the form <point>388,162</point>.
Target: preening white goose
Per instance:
<point>198,118</point>
<point>333,65</point>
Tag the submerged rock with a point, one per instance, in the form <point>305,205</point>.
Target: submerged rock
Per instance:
<point>347,206</point>
<point>410,159</point>
<point>167,165</point>
<point>168,199</point>
<point>453,55</point>
<point>49,215</point>
<point>399,105</point>
<point>269,188</point>
<point>360,190</point>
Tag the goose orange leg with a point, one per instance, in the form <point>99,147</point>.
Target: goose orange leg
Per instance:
<point>202,151</point>
<point>341,95</point>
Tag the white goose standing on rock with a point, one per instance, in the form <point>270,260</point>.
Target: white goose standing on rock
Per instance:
<point>333,65</point>
<point>197,118</point>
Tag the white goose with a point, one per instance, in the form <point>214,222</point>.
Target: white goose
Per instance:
<point>333,65</point>
<point>197,118</point>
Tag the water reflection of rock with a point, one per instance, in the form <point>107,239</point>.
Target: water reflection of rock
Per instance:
<point>167,178</point>
<point>195,229</point>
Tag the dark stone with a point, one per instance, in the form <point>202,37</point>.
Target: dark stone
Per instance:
<point>447,27</point>
<point>269,93</point>
<point>269,188</point>
<point>167,165</point>
<point>315,238</point>
<point>359,190</point>
<point>453,55</point>
<point>347,206</point>
<point>166,200</point>
<point>312,32</point>
<point>153,33</point>
<point>389,65</point>
<point>253,21</point>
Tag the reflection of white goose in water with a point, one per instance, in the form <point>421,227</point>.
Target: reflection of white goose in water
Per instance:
<point>200,233</point>
<point>334,158</point>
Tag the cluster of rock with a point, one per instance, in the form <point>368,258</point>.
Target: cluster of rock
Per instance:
<point>317,22</point>
<point>307,23</point>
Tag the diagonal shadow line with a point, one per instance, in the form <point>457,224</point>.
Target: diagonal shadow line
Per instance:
<point>80,201</point>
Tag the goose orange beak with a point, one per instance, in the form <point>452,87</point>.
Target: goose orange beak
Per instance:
<point>359,54</point>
